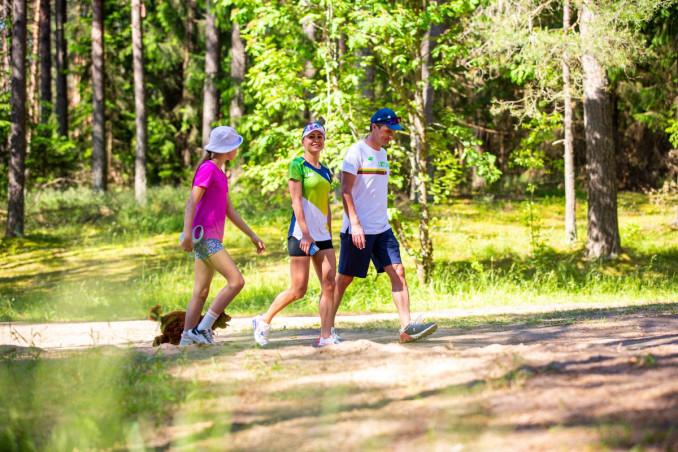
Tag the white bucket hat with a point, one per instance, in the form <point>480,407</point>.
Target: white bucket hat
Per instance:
<point>223,139</point>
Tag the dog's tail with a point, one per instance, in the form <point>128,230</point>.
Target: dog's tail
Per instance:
<point>155,312</point>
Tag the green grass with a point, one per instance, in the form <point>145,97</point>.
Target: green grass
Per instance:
<point>91,400</point>
<point>101,257</point>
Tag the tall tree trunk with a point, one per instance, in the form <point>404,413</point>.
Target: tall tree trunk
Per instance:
<point>413,159</point>
<point>34,61</point>
<point>568,128</point>
<point>421,117</point>
<point>603,228</point>
<point>367,84</point>
<point>238,68</point>
<point>6,18</point>
<point>309,70</point>
<point>74,79</point>
<point>61,67</point>
<point>99,158</point>
<point>17,161</point>
<point>139,103</point>
<point>184,109</point>
<point>210,99</point>
<point>45,52</point>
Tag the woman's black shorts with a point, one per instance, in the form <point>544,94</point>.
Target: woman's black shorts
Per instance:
<point>294,250</point>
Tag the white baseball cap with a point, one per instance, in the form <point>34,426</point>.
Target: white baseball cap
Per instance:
<point>223,139</point>
<point>312,127</point>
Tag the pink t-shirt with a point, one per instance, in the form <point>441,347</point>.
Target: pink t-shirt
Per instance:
<point>211,209</point>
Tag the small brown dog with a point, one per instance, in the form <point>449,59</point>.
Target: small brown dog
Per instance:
<point>172,324</point>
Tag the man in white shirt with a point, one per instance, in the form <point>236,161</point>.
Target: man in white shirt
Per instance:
<point>365,233</point>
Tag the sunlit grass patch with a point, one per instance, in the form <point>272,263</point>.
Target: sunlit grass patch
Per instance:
<point>82,264</point>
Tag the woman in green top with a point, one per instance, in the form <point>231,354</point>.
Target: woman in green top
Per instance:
<point>309,237</point>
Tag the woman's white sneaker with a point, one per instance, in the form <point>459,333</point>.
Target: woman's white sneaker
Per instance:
<point>260,329</point>
<point>326,341</point>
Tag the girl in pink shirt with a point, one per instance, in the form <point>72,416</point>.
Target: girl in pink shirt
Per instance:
<point>207,209</point>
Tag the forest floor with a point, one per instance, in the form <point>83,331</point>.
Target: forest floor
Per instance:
<point>570,379</point>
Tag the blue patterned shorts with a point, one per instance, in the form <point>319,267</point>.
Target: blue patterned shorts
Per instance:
<point>205,248</point>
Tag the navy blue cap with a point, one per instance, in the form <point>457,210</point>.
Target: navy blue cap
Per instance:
<point>387,117</point>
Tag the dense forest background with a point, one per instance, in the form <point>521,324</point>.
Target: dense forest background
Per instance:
<point>497,97</point>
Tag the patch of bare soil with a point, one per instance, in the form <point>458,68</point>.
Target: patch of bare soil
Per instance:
<point>602,384</point>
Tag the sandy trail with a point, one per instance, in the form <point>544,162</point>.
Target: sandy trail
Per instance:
<point>609,383</point>
<point>605,379</point>
<point>138,333</point>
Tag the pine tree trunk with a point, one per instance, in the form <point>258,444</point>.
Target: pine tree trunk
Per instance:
<point>61,67</point>
<point>210,100</point>
<point>188,130</point>
<point>45,51</point>
<point>17,161</point>
<point>74,79</point>
<point>238,68</point>
<point>6,18</point>
<point>99,157</point>
<point>568,128</point>
<point>139,103</point>
<point>603,228</point>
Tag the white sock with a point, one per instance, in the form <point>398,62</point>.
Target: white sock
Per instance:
<point>207,321</point>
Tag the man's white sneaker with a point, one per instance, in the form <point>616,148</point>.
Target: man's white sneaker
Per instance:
<point>199,336</point>
<point>325,341</point>
<point>335,335</point>
<point>260,330</point>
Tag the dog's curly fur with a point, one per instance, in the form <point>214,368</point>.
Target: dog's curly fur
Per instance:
<point>172,324</point>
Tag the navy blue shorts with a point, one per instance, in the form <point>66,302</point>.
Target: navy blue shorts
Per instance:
<point>383,249</point>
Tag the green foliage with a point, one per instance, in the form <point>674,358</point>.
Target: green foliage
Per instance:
<point>672,130</point>
<point>52,156</point>
<point>362,55</point>
<point>93,400</point>
<point>532,152</point>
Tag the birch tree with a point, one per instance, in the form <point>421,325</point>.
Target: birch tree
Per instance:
<point>99,158</point>
<point>139,102</point>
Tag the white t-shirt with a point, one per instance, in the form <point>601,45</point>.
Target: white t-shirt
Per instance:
<point>370,190</point>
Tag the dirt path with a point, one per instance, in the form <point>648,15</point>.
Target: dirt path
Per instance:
<point>610,383</point>
<point>564,381</point>
<point>139,333</point>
